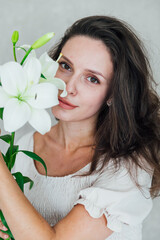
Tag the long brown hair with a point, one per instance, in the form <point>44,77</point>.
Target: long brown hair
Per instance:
<point>130,128</point>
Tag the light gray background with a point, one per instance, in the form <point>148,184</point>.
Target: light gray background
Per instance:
<point>33,18</point>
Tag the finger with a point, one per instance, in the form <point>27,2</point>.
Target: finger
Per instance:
<point>2,227</point>
<point>4,235</point>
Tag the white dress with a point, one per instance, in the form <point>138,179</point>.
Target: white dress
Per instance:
<point>115,196</point>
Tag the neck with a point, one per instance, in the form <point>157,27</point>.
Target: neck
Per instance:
<point>74,135</point>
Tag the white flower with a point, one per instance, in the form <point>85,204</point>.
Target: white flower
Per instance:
<point>49,69</point>
<point>24,98</point>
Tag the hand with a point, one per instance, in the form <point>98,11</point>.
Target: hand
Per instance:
<point>2,227</point>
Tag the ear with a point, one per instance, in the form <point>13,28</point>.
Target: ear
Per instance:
<point>109,102</point>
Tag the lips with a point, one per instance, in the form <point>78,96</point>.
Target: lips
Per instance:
<point>66,104</point>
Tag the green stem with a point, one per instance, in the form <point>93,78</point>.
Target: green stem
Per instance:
<point>26,55</point>
<point>14,52</point>
<point>11,149</point>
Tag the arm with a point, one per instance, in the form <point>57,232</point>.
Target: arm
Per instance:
<point>26,223</point>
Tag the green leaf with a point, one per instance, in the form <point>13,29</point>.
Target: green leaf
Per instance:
<point>26,180</point>
<point>6,225</point>
<point>0,84</point>
<point>6,138</point>
<point>42,76</point>
<point>10,160</point>
<point>7,156</point>
<point>35,157</point>
<point>19,179</point>
<point>3,219</point>
<point>1,113</point>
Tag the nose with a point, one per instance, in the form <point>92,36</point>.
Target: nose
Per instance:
<point>71,85</point>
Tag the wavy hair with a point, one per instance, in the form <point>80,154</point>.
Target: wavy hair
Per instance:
<point>130,128</point>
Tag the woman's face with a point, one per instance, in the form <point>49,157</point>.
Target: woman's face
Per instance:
<point>87,69</point>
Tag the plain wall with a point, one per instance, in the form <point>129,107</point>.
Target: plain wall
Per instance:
<point>33,18</point>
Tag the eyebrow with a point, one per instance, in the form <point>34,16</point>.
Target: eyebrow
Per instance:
<point>92,71</point>
<point>67,59</point>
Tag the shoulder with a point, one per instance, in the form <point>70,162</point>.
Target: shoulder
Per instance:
<point>126,173</point>
<point>116,195</point>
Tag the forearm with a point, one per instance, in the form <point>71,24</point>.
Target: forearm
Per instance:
<point>24,221</point>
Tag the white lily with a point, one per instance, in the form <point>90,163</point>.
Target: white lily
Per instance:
<point>49,69</point>
<point>24,98</point>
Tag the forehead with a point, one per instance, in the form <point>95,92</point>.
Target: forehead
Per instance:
<point>87,52</point>
<point>77,44</point>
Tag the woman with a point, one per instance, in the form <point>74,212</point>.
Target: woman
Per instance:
<point>103,154</point>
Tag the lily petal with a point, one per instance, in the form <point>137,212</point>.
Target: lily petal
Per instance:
<point>13,120</point>
<point>40,120</point>
<point>13,78</point>
<point>33,70</point>
<point>44,95</point>
<point>60,84</point>
<point>4,97</point>
<point>49,66</point>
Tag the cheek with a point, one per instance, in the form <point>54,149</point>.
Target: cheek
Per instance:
<point>93,102</point>
<point>62,75</point>
<point>58,75</point>
<point>58,72</point>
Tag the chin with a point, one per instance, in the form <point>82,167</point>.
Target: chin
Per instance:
<point>63,115</point>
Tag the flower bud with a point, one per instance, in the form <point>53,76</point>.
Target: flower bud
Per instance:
<point>42,40</point>
<point>15,37</point>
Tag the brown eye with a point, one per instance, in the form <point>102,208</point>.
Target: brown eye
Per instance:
<point>65,66</point>
<point>93,80</point>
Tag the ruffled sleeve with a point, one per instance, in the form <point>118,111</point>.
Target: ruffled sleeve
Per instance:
<point>118,198</point>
